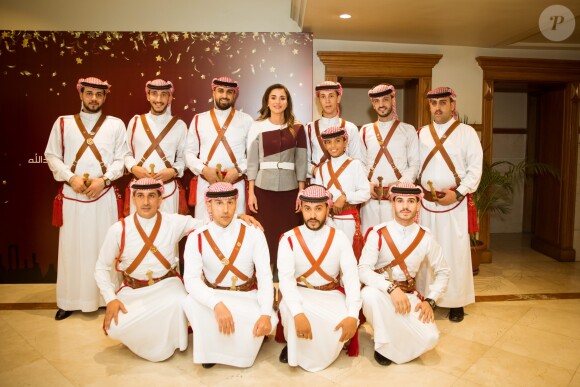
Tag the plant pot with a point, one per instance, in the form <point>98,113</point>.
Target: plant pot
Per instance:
<point>476,251</point>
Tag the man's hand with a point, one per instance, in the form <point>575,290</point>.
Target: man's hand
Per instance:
<point>77,183</point>
<point>401,302</point>
<point>252,202</point>
<point>231,175</point>
<point>251,220</point>
<point>140,172</point>
<point>348,325</point>
<point>112,313</point>
<point>224,319</point>
<point>263,326</point>
<point>373,193</point>
<point>338,204</point>
<point>448,199</point>
<point>165,174</point>
<point>303,329</point>
<point>96,187</point>
<point>426,314</point>
<point>210,174</point>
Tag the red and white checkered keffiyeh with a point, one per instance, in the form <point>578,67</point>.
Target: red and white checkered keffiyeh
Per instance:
<point>148,184</point>
<point>334,131</point>
<point>94,83</point>
<point>220,190</point>
<point>225,82</point>
<point>315,194</point>
<point>385,89</point>
<point>441,92</point>
<point>160,84</point>
<point>408,190</point>
<point>328,85</point>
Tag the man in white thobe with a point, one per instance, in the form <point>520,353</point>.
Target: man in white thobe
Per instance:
<point>216,146</point>
<point>157,142</point>
<point>318,315</point>
<point>451,163</point>
<point>329,94</point>
<point>402,318</point>
<point>229,281</point>
<point>391,155</point>
<point>86,152</point>
<point>346,180</point>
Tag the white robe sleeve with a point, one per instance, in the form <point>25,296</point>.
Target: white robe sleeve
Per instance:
<point>106,262</point>
<point>117,167</point>
<point>130,161</point>
<point>473,162</point>
<point>440,268</point>
<point>355,144</point>
<point>179,162</point>
<point>350,279</point>
<point>362,191</point>
<point>409,175</point>
<point>261,257</point>
<point>54,156</point>
<point>368,261</point>
<point>192,149</point>
<point>286,276</point>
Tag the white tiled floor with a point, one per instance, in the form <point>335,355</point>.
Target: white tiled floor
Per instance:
<point>508,343</point>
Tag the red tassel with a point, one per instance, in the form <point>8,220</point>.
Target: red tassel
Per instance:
<point>280,331</point>
<point>119,203</point>
<point>472,223</point>
<point>57,209</point>
<point>127,207</point>
<point>193,191</point>
<point>353,348</point>
<point>247,185</point>
<point>183,208</point>
<point>358,240</point>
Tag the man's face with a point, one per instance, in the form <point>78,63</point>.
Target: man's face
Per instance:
<point>314,215</point>
<point>147,203</point>
<point>223,97</point>
<point>329,100</point>
<point>336,146</point>
<point>406,208</point>
<point>441,109</point>
<point>159,100</point>
<point>383,106</point>
<point>93,99</point>
<point>223,210</point>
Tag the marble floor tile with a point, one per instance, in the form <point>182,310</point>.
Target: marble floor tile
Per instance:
<point>36,373</point>
<point>552,320</point>
<point>501,368</point>
<point>510,311</point>
<point>453,355</point>
<point>15,293</point>
<point>14,349</point>
<point>480,329</point>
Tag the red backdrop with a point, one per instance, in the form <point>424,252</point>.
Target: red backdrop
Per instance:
<point>39,71</point>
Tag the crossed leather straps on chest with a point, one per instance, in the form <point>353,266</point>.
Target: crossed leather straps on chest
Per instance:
<point>155,142</point>
<point>315,262</point>
<point>325,155</point>
<point>334,175</point>
<point>383,149</point>
<point>400,257</point>
<point>89,142</point>
<point>221,137</point>
<point>439,148</point>
<point>148,245</point>
<point>228,262</point>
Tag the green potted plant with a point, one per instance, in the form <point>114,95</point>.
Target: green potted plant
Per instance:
<point>495,194</point>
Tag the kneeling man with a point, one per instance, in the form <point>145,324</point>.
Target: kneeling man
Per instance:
<point>402,319</point>
<point>318,315</point>
<point>229,281</point>
<point>141,246</point>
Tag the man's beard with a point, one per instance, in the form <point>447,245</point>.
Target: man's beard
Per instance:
<point>315,228</point>
<point>386,114</point>
<point>223,106</point>
<point>87,109</point>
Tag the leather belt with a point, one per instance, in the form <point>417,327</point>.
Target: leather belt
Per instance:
<point>325,287</point>
<point>135,283</point>
<point>245,287</point>
<point>276,165</point>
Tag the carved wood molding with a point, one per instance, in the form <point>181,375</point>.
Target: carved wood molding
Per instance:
<point>378,64</point>
<point>529,69</point>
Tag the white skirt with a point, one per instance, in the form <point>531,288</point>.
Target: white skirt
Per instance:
<point>400,338</point>
<point>210,346</point>
<point>154,325</point>
<point>324,310</point>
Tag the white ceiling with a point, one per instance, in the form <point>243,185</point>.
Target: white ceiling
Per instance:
<point>476,23</point>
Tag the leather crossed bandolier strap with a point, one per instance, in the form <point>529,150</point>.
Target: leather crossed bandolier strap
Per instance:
<point>89,142</point>
<point>229,264</point>
<point>221,132</point>
<point>332,282</point>
<point>325,155</point>
<point>155,142</point>
<point>409,285</point>
<point>439,148</point>
<point>383,150</point>
<point>334,175</point>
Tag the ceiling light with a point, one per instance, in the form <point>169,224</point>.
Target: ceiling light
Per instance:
<point>345,16</point>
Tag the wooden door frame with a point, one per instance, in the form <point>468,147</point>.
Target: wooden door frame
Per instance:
<point>384,65</point>
<point>539,70</point>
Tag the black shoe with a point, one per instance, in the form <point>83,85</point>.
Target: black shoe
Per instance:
<point>382,360</point>
<point>207,365</point>
<point>456,314</point>
<point>62,314</point>
<point>284,355</point>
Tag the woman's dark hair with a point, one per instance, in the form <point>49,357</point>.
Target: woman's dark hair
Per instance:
<point>265,110</point>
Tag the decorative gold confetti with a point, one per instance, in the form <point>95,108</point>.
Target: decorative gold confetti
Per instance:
<point>27,73</point>
<point>86,53</point>
<point>54,74</point>
<point>25,43</point>
<point>155,44</point>
<point>158,58</point>
<point>272,69</point>
<point>79,60</point>
<point>295,51</point>
<point>186,35</point>
<point>108,39</point>
<point>178,58</point>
